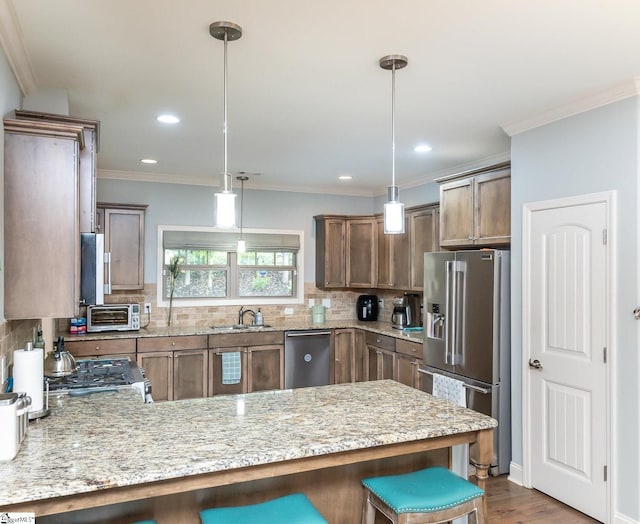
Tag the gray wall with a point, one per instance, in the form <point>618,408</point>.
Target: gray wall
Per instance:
<point>10,97</point>
<point>172,204</point>
<point>415,196</point>
<point>587,153</point>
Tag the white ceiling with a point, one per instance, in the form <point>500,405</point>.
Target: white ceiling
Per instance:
<point>307,99</point>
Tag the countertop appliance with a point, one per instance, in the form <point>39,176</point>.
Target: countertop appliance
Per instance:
<point>401,315</point>
<point>467,334</point>
<point>307,356</point>
<point>113,317</point>
<point>14,412</point>
<point>412,301</point>
<point>103,374</point>
<point>367,308</point>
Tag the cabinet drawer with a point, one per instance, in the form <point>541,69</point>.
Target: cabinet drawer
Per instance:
<point>406,347</point>
<point>264,338</point>
<point>85,348</point>
<point>172,343</point>
<point>381,341</point>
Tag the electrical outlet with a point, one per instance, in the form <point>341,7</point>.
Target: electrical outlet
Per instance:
<point>3,372</point>
<point>288,311</point>
<point>326,302</point>
<point>312,302</point>
<point>381,303</point>
<point>147,307</point>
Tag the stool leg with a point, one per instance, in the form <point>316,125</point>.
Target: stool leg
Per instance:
<point>481,517</point>
<point>368,510</point>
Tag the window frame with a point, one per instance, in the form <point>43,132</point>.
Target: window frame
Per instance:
<point>297,298</point>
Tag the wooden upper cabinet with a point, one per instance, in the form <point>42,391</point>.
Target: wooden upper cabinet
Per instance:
<point>476,210</point>
<point>361,252</point>
<point>88,160</point>
<point>423,230</point>
<point>330,251</point>
<point>123,228</point>
<point>394,257</point>
<point>41,222</point>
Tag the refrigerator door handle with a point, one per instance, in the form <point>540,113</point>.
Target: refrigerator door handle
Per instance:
<point>484,391</point>
<point>449,336</point>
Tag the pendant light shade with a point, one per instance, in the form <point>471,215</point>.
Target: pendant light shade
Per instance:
<point>393,209</point>
<point>225,200</point>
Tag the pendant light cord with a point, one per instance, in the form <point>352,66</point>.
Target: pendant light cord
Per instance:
<point>224,130</point>
<point>393,124</point>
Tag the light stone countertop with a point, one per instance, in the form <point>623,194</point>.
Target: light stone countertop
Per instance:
<point>383,328</point>
<point>112,439</point>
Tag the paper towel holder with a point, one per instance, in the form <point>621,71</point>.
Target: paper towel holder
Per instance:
<point>45,410</point>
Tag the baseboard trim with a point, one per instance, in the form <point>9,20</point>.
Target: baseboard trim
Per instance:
<point>515,474</point>
<point>619,518</point>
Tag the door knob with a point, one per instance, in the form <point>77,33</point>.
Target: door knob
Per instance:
<point>535,364</point>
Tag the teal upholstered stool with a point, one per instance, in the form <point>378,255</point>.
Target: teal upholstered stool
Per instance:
<point>292,509</point>
<point>145,522</point>
<point>427,496</point>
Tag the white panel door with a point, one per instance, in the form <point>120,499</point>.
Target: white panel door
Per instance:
<point>567,334</point>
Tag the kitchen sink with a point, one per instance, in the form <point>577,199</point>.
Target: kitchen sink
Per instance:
<point>241,327</point>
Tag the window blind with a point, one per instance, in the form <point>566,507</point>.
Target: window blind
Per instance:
<point>224,241</point>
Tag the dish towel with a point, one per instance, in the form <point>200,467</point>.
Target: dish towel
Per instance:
<point>454,391</point>
<point>231,367</point>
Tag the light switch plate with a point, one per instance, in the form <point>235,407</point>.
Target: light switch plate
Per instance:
<point>312,302</point>
<point>288,311</point>
<point>326,302</point>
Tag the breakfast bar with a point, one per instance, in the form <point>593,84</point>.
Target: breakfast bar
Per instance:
<point>107,457</point>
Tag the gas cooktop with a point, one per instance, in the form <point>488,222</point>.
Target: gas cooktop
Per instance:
<point>100,373</point>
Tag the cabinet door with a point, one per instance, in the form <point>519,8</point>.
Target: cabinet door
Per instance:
<point>456,213</point>
<point>265,368</point>
<point>330,253</point>
<point>407,371</point>
<point>124,239</point>
<point>216,384</point>
<point>360,357</point>
<point>381,363</point>
<point>342,356</point>
<point>361,252</point>
<point>492,201</point>
<point>190,374</point>
<point>158,368</point>
<point>394,257</point>
<point>384,256</point>
<point>41,225</point>
<point>423,240</point>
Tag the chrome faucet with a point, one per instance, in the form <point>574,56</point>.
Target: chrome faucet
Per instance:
<point>241,314</point>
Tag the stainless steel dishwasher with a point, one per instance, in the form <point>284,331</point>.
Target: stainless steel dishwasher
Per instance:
<point>306,358</point>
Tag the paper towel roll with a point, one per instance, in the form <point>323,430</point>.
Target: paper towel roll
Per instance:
<point>28,375</point>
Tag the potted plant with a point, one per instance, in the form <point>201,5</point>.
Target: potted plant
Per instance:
<point>174,273</point>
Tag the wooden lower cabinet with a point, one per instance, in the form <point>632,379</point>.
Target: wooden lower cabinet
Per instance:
<point>176,366</point>
<point>349,356</point>
<point>261,362</point>
<point>408,360</point>
<point>118,348</point>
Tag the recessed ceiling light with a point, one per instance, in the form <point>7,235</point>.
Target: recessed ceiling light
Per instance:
<point>168,119</point>
<point>149,161</point>
<point>422,148</point>
<point>345,177</point>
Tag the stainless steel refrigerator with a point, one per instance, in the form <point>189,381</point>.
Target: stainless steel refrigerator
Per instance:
<point>467,334</point>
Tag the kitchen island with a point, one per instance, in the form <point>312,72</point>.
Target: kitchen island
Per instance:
<point>109,458</point>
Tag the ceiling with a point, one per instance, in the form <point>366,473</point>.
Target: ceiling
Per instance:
<point>307,100</point>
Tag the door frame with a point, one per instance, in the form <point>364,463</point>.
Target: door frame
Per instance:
<point>609,199</point>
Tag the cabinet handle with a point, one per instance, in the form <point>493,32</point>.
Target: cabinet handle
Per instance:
<point>97,348</point>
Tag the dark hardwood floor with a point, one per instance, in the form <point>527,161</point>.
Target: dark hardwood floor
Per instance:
<point>509,503</point>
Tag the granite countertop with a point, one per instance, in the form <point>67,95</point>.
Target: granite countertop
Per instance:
<point>112,439</point>
<point>383,328</point>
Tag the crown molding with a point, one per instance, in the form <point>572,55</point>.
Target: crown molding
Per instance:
<point>163,178</point>
<point>626,89</point>
<point>488,161</point>
<point>12,43</point>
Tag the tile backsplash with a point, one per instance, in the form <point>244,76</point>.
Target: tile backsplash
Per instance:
<point>343,307</point>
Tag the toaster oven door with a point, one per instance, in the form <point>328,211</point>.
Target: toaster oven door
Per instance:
<point>109,318</point>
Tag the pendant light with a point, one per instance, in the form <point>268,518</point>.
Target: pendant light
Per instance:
<point>242,246</point>
<point>225,200</point>
<point>393,209</point>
